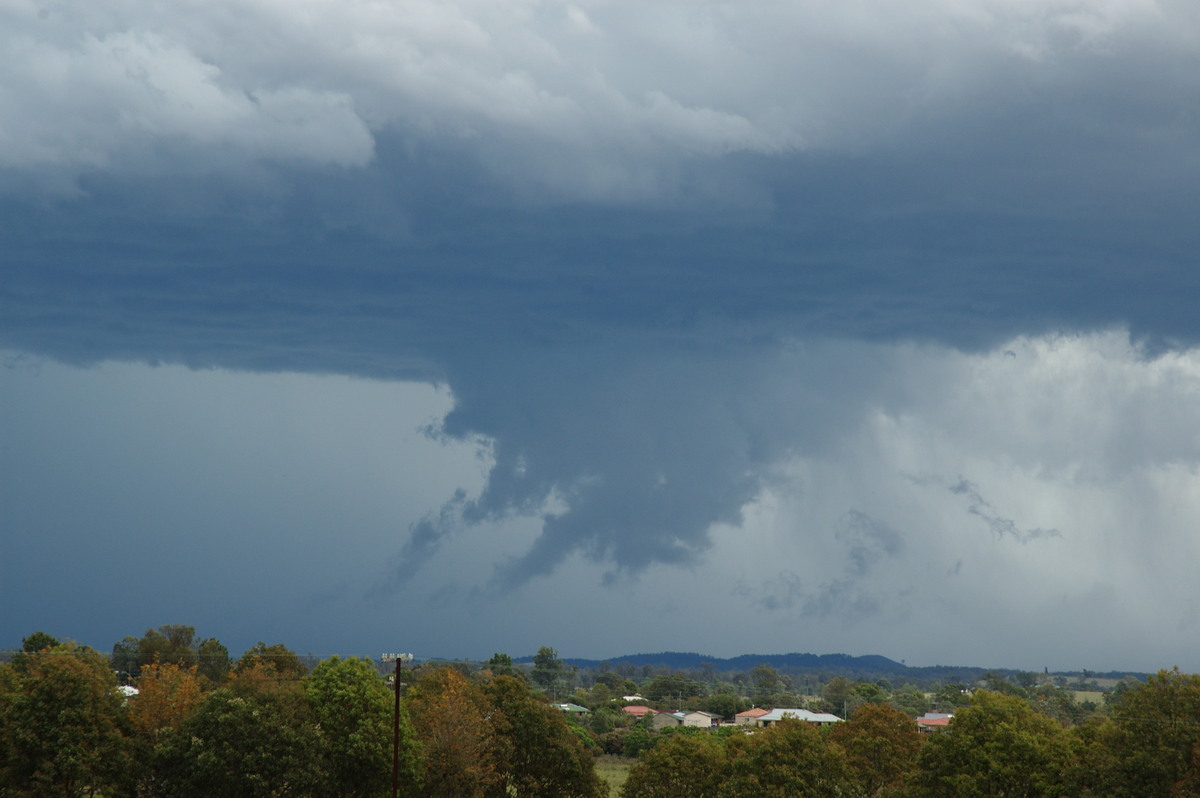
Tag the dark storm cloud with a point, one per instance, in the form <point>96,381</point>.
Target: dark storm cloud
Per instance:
<point>603,260</point>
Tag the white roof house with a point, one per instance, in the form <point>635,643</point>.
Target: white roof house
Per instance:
<point>776,715</point>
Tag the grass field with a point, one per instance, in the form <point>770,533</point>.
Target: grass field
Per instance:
<point>614,770</point>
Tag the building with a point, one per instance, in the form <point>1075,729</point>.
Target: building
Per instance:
<point>815,718</point>
<point>749,717</point>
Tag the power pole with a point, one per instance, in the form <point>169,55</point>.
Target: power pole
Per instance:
<point>398,659</point>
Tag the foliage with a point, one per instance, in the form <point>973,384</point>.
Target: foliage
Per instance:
<point>167,694</point>
<point>997,746</point>
<point>540,756</point>
<point>788,759</point>
<point>637,740</point>
<point>213,659</point>
<point>881,745</point>
<point>910,700</point>
<point>692,765</point>
<point>671,687</point>
<point>277,660</point>
<point>247,745</point>
<point>765,679</point>
<point>63,728</point>
<point>1093,769</point>
<point>727,705</point>
<point>949,696</point>
<point>459,744</point>
<point>171,644</point>
<point>126,658</point>
<point>501,665</point>
<point>1159,733</point>
<point>547,667</point>
<point>355,710</point>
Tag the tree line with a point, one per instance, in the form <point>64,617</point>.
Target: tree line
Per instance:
<point>274,723</point>
<point>268,724</point>
<point>998,744</point>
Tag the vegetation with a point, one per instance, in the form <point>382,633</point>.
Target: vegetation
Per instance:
<point>273,723</point>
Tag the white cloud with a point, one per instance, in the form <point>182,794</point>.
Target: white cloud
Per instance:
<point>619,86</point>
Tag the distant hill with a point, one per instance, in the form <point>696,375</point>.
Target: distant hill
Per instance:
<point>822,666</point>
<point>686,660</point>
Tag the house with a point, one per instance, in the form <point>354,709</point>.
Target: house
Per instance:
<point>698,719</point>
<point>932,721</point>
<point>665,720</point>
<point>748,717</point>
<point>573,709</point>
<point>815,718</point>
<point>638,711</point>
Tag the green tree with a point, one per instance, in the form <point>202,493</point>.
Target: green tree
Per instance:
<point>616,683</point>
<point>910,700</point>
<point>250,745</point>
<point>727,705</point>
<point>276,659</point>
<point>671,688</point>
<point>501,665</point>
<point>547,668</point>
<point>765,679</point>
<point>949,696</point>
<point>173,643</point>
<point>354,710</point>
<point>126,658</point>
<point>540,756</point>
<point>63,727</point>
<point>691,765</point>
<point>996,746</point>
<point>213,659</point>
<point>637,741</point>
<point>1094,766</point>
<point>787,760</point>
<point>881,745</point>
<point>1159,732</point>
<point>839,697</point>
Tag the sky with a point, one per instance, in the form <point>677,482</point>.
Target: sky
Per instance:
<point>460,327</point>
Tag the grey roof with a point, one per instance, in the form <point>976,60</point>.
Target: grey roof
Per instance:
<point>798,714</point>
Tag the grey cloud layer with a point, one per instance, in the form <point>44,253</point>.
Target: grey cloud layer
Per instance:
<point>602,224</point>
<point>589,99</point>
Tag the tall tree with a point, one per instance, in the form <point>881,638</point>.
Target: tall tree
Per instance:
<point>540,756</point>
<point>213,659</point>
<point>788,760</point>
<point>694,765</point>
<point>460,749</point>
<point>250,745</point>
<point>996,746</point>
<point>501,665</point>
<point>63,728</point>
<point>167,694</point>
<point>354,710</point>
<point>276,659</point>
<point>1159,732</point>
<point>172,643</point>
<point>547,667</point>
<point>881,745</point>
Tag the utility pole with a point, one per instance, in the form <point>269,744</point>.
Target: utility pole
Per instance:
<point>398,659</point>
